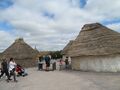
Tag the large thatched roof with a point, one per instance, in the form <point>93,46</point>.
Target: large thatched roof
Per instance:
<point>67,47</point>
<point>95,39</point>
<point>20,50</point>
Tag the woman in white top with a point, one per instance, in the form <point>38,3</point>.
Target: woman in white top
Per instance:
<point>12,66</point>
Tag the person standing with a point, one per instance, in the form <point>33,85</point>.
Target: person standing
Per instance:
<point>66,63</point>
<point>60,64</point>
<point>47,61</point>
<point>4,69</point>
<point>40,63</point>
<point>53,65</point>
<point>12,66</point>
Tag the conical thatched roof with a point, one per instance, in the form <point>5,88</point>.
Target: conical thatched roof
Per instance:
<point>20,50</point>
<point>95,39</point>
<point>67,47</point>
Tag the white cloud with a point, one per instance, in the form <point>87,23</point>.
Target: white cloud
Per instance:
<point>5,39</point>
<point>114,26</point>
<point>107,8</point>
<point>27,18</point>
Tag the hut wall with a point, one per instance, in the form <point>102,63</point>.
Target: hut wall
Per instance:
<point>75,63</point>
<point>97,63</point>
<point>26,62</point>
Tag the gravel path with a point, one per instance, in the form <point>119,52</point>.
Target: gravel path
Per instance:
<point>64,80</point>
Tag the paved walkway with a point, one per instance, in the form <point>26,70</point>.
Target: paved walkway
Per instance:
<point>64,80</point>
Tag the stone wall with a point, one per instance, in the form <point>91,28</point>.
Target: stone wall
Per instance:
<point>97,63</point>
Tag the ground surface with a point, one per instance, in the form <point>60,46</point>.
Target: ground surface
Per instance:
<point>64,80</point>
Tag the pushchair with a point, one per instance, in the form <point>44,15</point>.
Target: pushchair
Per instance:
<point>20,71</point>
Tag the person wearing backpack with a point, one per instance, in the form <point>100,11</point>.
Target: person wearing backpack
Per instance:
<point>47,61</point>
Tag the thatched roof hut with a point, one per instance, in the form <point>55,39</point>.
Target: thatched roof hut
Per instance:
<point>21,52</point>
<point>67,47</point>
<point>96,48</point>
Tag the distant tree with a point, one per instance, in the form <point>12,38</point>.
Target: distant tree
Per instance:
<point>55,54</point>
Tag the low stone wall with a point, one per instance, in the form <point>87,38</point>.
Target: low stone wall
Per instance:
<point>97,63</point>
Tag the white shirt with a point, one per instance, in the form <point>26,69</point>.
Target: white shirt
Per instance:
<point>12,65</point>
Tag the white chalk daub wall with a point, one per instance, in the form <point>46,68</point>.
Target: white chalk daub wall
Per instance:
<point>97,63</point>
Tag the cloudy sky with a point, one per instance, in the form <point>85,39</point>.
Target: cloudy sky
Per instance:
<point>50,24</point>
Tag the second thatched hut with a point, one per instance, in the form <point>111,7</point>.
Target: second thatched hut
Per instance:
<point>96,48</point>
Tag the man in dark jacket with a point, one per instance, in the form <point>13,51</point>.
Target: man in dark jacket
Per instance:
<point>4,69</point>
<point>47,61</point>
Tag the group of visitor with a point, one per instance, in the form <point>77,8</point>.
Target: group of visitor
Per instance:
<point>46,60</point>
<point>10,68</point>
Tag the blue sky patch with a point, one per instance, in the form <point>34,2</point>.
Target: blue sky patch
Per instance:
<point>5,3</point>
<point>83,3</point>
<point>5,26</point>
<point>48,14</point>
<point>80,3</point>
<point>113,21</point>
